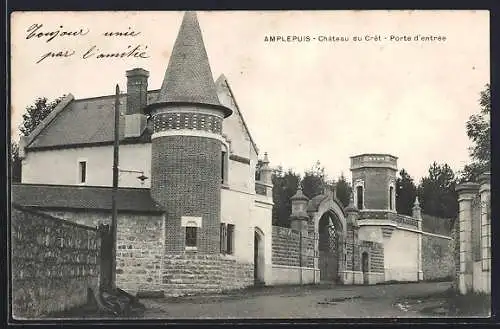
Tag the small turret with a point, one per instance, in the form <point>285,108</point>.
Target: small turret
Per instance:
<point>374,181</point>
<point>352,211</point>
<point>299,217</point>
<point>266,171</point>
<point>417,212</point>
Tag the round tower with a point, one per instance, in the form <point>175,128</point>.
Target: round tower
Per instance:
<point>374,181</point>
<point>186,164</point>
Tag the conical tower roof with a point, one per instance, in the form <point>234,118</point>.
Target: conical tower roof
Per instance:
<point>188,78</point>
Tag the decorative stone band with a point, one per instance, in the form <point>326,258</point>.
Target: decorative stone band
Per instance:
<point>164,121</point>
<point>188,132</point>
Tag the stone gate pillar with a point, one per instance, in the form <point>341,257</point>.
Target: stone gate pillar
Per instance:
<point>466,193</point>
<point>299,221</point>
<point>352,272</point>
<point>417,214</point>
<point>485,195</point>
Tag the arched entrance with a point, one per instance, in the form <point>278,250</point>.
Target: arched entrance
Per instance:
<point>330,247</point>
<point>258,257</point>
<point>330,259</point>
<point>365,266</point>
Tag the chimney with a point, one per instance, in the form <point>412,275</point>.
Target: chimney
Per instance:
<point>137,90</point>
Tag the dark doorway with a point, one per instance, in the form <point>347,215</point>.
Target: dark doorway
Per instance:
<point>329,245</point>
<point>365,267</point>
<point>258,258</point>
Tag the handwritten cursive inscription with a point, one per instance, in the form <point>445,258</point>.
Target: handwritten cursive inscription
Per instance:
<point>56,54</point>
<point>38,31</point>
<point>128,33</point>
<point>35,31</point>
<point>136,52</point>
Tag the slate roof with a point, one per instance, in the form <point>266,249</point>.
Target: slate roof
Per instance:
<point>83,197</point>
<point>188,78</point>
<point>85,121</point>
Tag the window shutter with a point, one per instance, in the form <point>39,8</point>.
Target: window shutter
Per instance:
<point>223,238</point>
<point>230,237</point>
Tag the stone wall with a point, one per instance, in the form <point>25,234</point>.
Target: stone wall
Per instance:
<point>438,257</point>
<point>139,250</point>
<point>286,248</point>
<point>54,263</point>
<point>376,255</point>
<point>190,273</point>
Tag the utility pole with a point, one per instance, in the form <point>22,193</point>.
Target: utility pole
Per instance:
<point>114,216</point>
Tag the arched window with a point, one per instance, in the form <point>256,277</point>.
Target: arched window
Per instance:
<point>391,198</point>
<point>359,195</point>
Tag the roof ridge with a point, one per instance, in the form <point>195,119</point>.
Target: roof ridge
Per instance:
<point>111,95</point>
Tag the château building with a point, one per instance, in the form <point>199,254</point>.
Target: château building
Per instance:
<point>191,215</point>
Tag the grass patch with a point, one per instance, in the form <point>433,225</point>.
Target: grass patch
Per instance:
<point>473,304</point>
<point>450,303</point>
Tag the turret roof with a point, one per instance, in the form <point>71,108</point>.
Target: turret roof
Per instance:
<point>188,77</point>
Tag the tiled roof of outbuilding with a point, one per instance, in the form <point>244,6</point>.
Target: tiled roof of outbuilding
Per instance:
<point>83,122</point>
<point>83,197</point>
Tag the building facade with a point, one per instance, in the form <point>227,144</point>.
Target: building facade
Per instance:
<point>192,218</point>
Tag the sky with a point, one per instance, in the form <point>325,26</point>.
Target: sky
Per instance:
<point>303,101</point>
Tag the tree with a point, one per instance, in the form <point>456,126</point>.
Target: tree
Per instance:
<point>34,114</point>
<point>436,192</point>
<point>343,190</point>
<point>406,191</point>
<point>315,181</point>
<point>479,131</point>
<point>284,187</point>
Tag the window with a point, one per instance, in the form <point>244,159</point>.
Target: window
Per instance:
<point>223,231</point>
<point>359,194</point>
<point>230,238</point>
<point>223,168</point>
<point>82,172</point>
<point>391,196</point>
<point>191,236</point>
<point>226,238</point>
